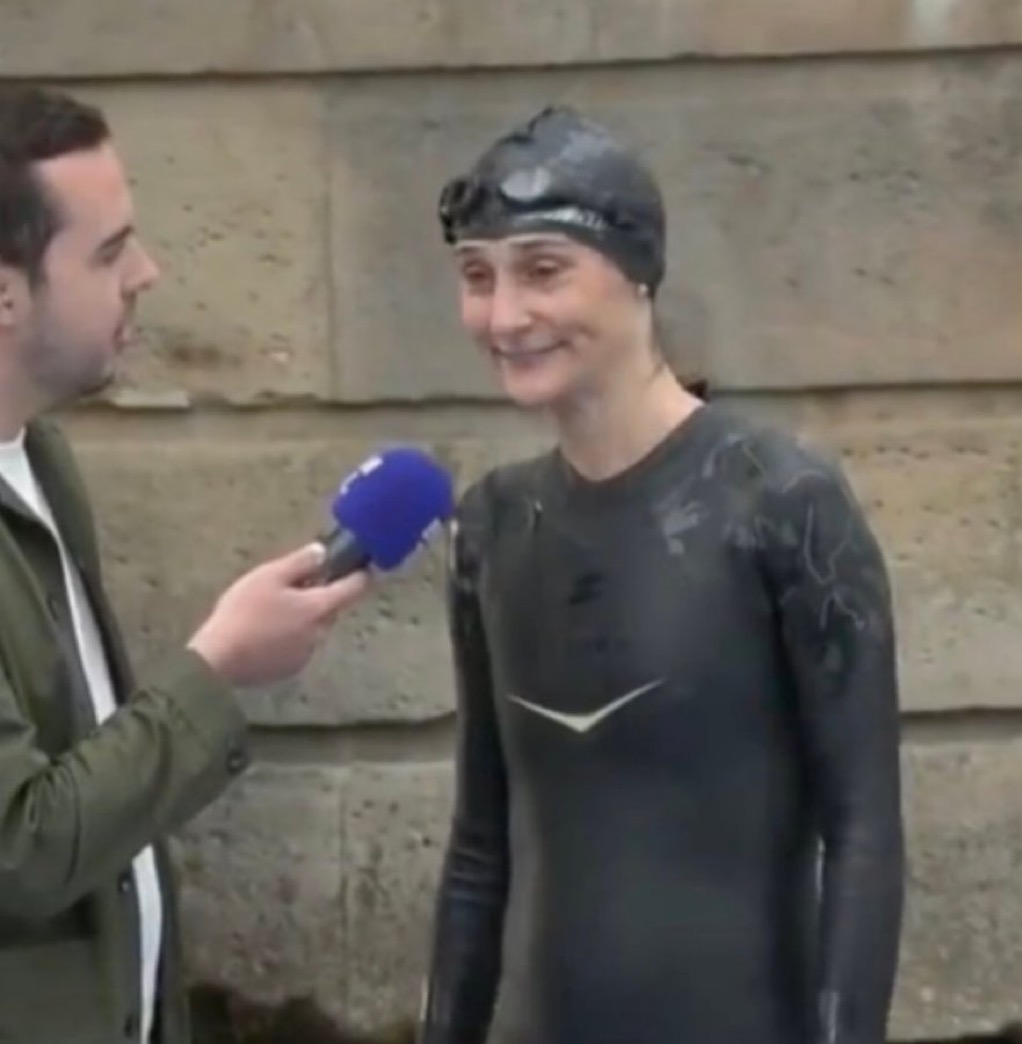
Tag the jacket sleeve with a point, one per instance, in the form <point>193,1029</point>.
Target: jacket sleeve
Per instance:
<point>835,609</point>
<point>465,963</point>
<point>68,823</point>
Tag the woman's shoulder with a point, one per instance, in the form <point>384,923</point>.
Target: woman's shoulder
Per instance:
<point>501,495</point>
<point>771,455</point>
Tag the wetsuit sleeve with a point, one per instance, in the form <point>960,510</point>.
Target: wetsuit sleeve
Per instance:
<point>835,608</point>
<point>465,963</point>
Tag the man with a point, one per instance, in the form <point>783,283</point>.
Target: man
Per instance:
<point>95,767</point>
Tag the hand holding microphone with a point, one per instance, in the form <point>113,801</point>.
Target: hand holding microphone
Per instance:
<point>266,626</point>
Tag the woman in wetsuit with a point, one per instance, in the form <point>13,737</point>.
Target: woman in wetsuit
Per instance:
<point>677,813</point>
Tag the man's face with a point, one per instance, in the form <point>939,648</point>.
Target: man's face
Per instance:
<point>73,325</point>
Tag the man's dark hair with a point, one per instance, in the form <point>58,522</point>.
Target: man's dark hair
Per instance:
<point>37,124</point>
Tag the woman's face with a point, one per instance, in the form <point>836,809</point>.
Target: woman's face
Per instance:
<point>556,318</point>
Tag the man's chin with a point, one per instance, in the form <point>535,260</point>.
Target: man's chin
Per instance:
<point>91,388</point>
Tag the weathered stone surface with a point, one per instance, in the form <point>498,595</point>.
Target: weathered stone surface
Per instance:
<point>944,499</point>
<point>180,520</point>
<point>962,946</point>
<point>397,828</point>
<point>832,224</point>
<point>264,872</point>
<point>945,502</point>
<point>323,881</point>
<point>119,37</point>
<point>319,881</point>
<point>231,198</point>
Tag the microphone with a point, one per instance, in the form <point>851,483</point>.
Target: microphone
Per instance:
<point>389,506</point>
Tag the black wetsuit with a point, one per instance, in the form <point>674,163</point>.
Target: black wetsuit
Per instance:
<point>674,687</point>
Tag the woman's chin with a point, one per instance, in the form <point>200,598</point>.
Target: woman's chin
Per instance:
<point>538,385</point>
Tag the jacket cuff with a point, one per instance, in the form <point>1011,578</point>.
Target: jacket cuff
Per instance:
<point>207,704</point>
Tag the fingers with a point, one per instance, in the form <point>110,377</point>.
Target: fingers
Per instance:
<point>298,565</point>
<point>331,599</point>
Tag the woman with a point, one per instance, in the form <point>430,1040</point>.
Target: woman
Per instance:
<point>676,666</point>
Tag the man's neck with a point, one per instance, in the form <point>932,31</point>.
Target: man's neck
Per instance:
<point>10,428</point>
<point>12,424</point>
<point>605,433</point>
<point>16,408</point>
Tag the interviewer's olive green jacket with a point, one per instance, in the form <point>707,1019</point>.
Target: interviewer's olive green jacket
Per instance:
<point>78,802</point>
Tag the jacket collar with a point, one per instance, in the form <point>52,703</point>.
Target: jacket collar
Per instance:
<point>48,458</point>
<point>9,500</point>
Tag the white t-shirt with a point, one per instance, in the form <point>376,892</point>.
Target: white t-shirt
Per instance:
<point>16,470</point>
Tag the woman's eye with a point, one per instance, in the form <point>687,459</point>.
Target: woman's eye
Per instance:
<point>544,269</point>
<point>475,277</point>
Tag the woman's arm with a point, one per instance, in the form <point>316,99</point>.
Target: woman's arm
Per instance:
<point>465,963</point>
<point>835,607</point>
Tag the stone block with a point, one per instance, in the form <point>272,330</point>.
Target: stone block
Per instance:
<point>305,880</point>
<point>960,952</point>
<point>180,519</point>
<point>963,922</point>
<point>397,829</point>
<point>118,37</point>
<point>945,503</point>
<point>324,881</point>
<point>831,224</point>
<point>263,884</point>
<point>230,187</point>
<point>944,500</point>
<point>962,942</point>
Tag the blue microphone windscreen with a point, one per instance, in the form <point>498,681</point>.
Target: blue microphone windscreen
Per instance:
<point>393,502</point>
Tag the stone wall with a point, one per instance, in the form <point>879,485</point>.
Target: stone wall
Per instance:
<point>846,258</point>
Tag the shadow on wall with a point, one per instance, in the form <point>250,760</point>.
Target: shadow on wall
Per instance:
<point>1010,1034</point>
<point>224,1016</point>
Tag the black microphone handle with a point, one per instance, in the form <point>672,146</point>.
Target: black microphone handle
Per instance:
<point>344,556</point>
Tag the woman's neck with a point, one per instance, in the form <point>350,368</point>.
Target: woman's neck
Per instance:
<point>603,433</point>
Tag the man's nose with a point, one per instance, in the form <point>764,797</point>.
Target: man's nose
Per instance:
<point>145,272</point>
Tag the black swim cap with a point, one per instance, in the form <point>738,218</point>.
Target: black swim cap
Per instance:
<point>562,172</point>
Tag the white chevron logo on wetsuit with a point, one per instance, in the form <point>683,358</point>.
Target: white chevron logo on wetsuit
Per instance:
<point>585,722</point>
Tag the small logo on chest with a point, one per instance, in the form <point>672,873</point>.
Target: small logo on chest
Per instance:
<point>582,723</point>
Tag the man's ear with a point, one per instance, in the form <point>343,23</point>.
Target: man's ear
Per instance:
<point>8,315</point>
<point>15,296</point>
